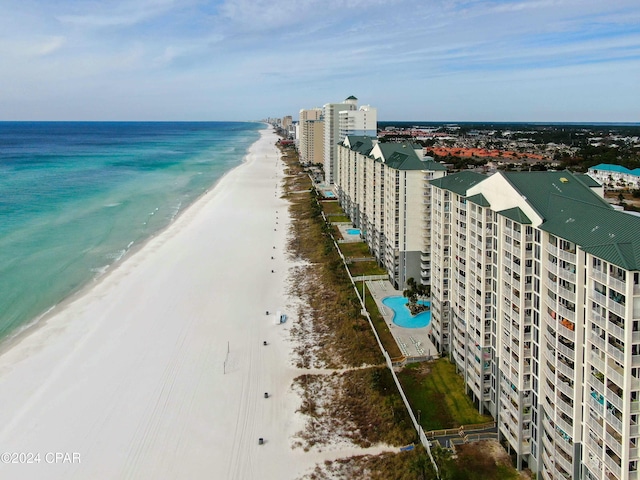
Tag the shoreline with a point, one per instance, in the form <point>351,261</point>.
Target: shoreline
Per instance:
<point>132,374</point>
<point>24,330</point>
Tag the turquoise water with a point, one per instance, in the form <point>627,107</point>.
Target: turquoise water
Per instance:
<point>353,231</point>
<point>329,194</point>
<point>402,316</point>
<point>75,197</point>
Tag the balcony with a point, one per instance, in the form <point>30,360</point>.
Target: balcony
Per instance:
<point>615,352</point>
<point>595,423</point>
<point>612,465</point>
<point>567,256</point>
<point>614,421</point>
<point>609,280</point>
<point>596,340</point>
<point>613,443</point>
<point>557,473</point>
<point>566,313</point>
<point>569,276</point>
<point>563,462</point>
<point>598,319</point>
<point>565,369</point>
<point>597,361</point>
<point>613,397</point>
<point>564,426</point>
<point>594,446</point>
<point>563,407</point>
<point>597,384</point>
<point>567,329</point>
<point>615,374</point>
<point>564,388</point>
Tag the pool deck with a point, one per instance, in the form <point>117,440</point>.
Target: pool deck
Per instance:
<point>348,237</point>
<point>413,342</point>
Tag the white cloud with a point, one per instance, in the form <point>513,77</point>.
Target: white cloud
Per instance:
<point>266,52</point>
<point>49,46</point>
<point>117,14</point>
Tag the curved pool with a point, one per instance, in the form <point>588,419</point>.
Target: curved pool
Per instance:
<point>401,314</point>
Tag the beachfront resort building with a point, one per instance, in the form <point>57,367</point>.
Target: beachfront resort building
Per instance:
<point>536,298</point>
<point>361,122</point>
<point>384,189</point>
<point>311,131</point>
<point>615,176</point>
<point>331,116</point>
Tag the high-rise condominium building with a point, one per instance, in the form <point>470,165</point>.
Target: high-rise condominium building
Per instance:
<point>362,122</point>
<point>311,130</point>
<point>384,189</point>
<point>331,118</point>
<point>536,298</point>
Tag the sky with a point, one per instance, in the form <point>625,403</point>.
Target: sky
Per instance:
<point>431,60</point>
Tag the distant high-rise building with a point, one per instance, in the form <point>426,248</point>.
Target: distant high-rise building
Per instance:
<point>363,121</point>
<point>311,130</point>
<point>286,122</point>
<point>332,133</point>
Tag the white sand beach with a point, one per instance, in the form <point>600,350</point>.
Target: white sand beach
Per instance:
<point>128,380</point>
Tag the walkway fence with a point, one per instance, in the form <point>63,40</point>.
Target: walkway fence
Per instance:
<point>465,428</point>
<point>390,364</point>
<point>401,361</point>
<point>370,278</point>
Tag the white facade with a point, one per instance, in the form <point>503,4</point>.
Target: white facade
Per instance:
<point>362,122</point>
<point>536,297</point>
<point>331,113</point>
<point>385,190</point>
<point>615,176</point>
<point>311,151</point>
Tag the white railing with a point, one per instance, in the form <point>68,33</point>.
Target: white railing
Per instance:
<point>613,443</point>
<point>613,466</point>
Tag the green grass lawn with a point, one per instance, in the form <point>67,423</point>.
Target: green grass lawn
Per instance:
<point>365,268</point>
<point>437,391</point>
<point>331,207</point>
<point>381,326</point>
<point>339,219</point>
<point>355,249</point>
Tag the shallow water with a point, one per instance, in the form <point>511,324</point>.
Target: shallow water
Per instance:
<point>75,197</point>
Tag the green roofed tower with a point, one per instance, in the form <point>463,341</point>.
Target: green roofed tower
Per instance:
<point>536,298</point>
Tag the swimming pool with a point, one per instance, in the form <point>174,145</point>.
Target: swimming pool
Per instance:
<point>402,316</point>
<point>353,231</point>
<point>329,194</point>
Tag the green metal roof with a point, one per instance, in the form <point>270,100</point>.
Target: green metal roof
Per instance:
<point>430,164</point>
<point>459,182</point>
<point>359,143</point>
<point>542,190</point>
<point>401,156</point>
<point>570,209</point>
<point>515,214</point>
<point>600,230</point>
<point>587,180</point>
<point>479,199</point>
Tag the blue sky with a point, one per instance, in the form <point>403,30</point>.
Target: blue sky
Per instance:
<point>440,60</point>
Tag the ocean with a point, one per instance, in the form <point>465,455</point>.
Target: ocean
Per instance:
<point>75,197</point>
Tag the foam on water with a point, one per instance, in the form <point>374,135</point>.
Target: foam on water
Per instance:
<point>75,197</point>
